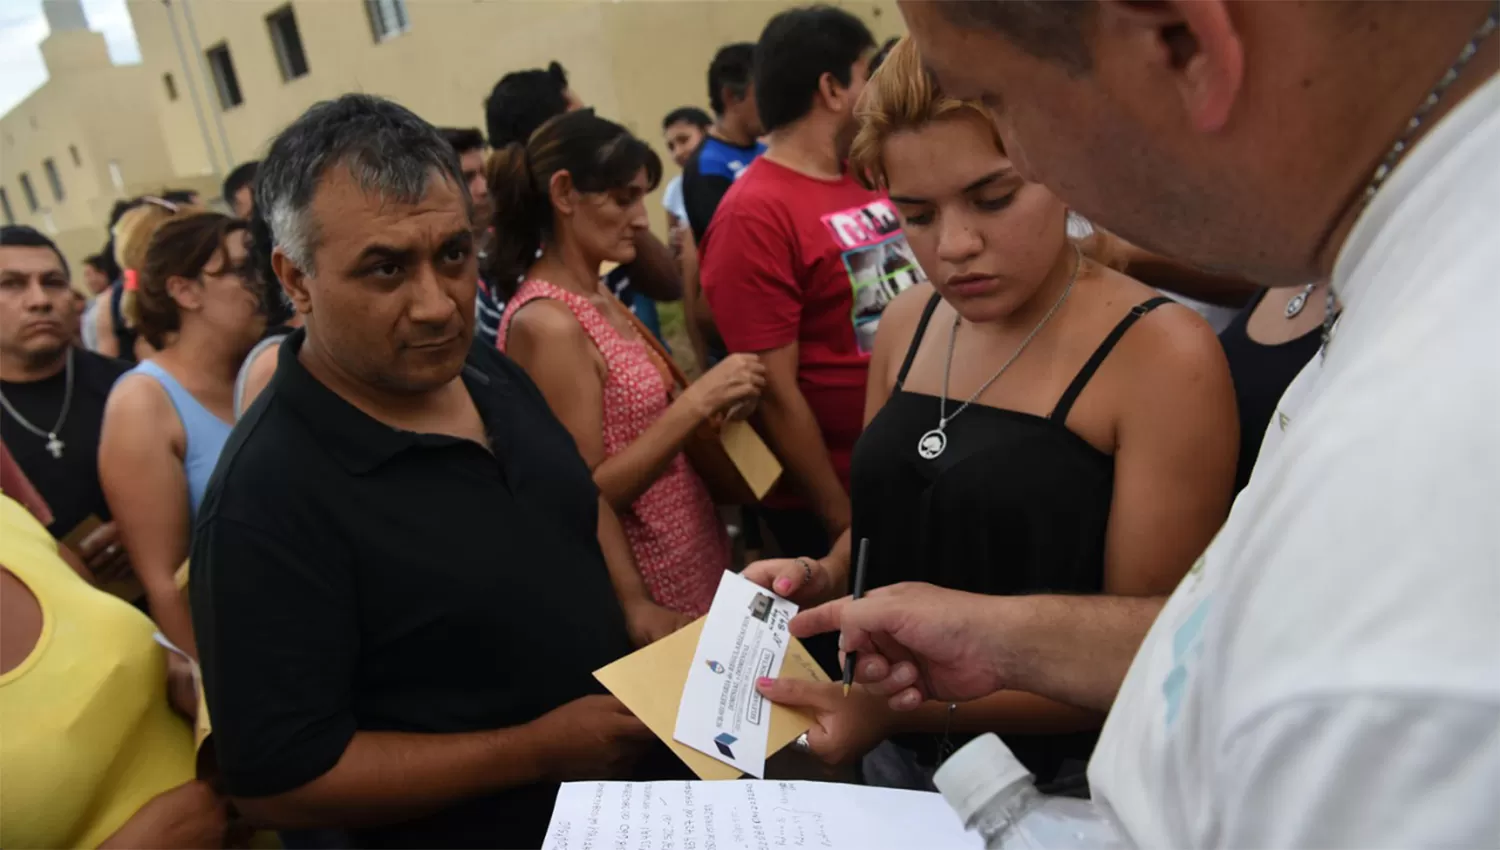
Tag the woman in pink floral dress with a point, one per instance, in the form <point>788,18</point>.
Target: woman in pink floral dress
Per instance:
<point>568,201</point>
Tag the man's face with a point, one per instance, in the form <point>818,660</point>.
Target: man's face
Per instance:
<point>244,203</point>
<point>859,74</point>
<point>392,300</point>
<point>1117,144</point>
<point>37,313</point>
<point>574,101</point>
<point>682,139</point>
<point>744,112</point>
<point>96,280</point>
<point>472,164</point>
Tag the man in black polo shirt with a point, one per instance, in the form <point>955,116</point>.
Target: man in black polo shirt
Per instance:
<point>398,588</point>
<point>52,395</point>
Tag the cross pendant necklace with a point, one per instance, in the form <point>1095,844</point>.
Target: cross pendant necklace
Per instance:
<point>54,445</point>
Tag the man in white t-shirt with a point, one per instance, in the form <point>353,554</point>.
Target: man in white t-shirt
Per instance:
<point>1329,672</point>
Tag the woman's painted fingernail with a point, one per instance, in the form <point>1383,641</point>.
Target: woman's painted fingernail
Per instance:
<point>764,682</point>
<point>783,585</point>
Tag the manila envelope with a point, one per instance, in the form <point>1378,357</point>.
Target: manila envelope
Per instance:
<point>751,456</point>
<point>650,681</point>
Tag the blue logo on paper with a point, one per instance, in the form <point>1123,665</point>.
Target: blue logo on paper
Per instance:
<point>722,741</point>
<point>715,666</point>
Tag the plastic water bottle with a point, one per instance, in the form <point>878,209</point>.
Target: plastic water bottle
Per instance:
<point>994,795</point>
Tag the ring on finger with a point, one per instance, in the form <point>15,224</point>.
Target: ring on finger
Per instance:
<point>112,550</point>
<point>807,569</point>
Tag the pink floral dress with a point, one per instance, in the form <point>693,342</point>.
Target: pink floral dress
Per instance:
<point>674,530</point>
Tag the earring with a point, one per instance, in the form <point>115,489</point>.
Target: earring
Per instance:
<point>539,252</point>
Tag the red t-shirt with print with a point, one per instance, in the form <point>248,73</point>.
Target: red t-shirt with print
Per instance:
<point>791,258</point>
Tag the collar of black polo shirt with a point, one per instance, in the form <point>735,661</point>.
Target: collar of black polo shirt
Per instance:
<point>360,442</point>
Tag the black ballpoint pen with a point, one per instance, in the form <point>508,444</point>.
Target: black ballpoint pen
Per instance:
<point>860,561</point>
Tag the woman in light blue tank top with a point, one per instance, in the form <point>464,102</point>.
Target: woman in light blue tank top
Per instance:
<point>167,420</point>
<point>204,431</point>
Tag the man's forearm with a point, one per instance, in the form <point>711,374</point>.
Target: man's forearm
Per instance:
<point>1004,713</point>
<point>691,296</point>
<point>1073,649</point>
<point>795,437</point>
<point>387,777</point>
<point>653,272</point>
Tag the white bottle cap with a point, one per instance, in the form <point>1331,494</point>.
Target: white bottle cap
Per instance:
<point>980,770</point>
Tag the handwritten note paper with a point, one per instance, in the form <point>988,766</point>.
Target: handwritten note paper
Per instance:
<point>751,815</point>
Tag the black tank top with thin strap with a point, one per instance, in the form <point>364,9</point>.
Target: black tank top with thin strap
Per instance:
<point>1016,504</point>
<point>1261,375</point>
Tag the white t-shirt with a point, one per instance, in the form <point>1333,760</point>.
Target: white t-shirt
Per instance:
<point>1328,674</point>
<point>672,200</point>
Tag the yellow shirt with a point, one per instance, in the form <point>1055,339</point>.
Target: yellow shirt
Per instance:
<point>87,735</point>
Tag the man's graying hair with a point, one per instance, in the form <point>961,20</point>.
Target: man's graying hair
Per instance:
<point>385,147</point>
<point>1054,30</point>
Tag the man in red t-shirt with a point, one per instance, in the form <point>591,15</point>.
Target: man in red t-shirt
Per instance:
<point>798,263</point>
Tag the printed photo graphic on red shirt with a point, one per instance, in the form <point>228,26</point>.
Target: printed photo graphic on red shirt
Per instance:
<point>879,262</point>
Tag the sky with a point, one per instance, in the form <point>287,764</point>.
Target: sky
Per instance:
<point>22,28</point>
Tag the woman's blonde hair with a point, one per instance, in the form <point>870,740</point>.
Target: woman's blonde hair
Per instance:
<point>903,96</point>
<point>132,236</point>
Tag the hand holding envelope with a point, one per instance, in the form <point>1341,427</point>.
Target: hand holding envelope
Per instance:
<point>651,682</point>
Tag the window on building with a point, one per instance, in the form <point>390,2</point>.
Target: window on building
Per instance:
<point>222,66</point>
<point>288,43</point>
<point>170,83</point>
<point>73,152</point>
<point>29,192</point>
<point>387,18</point>
<point>54,180</point>
<point>116,179</point>
<point>10,215</point>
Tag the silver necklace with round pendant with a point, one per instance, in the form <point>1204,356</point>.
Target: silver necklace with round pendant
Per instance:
<point>933,443</point>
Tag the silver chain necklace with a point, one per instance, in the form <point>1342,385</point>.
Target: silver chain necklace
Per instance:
<point>935,442</point>
<point>1402,145</point>
<point>54,445</point>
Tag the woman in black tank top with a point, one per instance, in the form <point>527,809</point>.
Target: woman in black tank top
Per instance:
<point>1036,423</point>
<point>1287,332</point>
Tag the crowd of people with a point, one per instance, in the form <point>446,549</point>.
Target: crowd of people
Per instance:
<point>363,478</point>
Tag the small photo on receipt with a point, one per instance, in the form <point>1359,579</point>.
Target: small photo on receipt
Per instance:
<point>744,638</point>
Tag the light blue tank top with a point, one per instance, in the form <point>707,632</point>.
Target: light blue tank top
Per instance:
<point>206,432</point>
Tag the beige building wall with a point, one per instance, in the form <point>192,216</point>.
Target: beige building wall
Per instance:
<point>633,61</point>
<point>161,122</point>
<point>96,124</point>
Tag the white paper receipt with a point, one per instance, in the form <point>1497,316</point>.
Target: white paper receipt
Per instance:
<point>745,637</point>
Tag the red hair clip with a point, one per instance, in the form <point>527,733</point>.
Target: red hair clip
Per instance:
<point>132,280</point>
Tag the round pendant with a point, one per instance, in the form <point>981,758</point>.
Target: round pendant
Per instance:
<point>932,444</point>
<point>1294,306</point>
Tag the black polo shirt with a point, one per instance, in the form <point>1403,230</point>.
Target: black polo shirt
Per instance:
<point>349,576</point>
